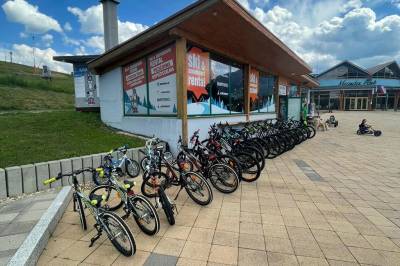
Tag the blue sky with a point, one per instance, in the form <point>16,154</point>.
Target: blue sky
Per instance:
<point>323,32</point>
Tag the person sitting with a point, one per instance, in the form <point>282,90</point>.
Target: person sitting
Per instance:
<point>364,127</point>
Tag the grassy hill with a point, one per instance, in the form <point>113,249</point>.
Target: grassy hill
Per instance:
<point>38,121</point>
<point>22,88</point>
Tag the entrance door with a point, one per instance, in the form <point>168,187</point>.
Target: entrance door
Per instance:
<point>356,103</point>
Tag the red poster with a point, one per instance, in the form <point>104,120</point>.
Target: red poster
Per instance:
<point>134,75</point>
<point>198,71</point>
<point>253,84</point>
<point>162,63</point>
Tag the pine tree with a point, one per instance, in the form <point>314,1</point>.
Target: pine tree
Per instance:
<point>144,102</point>
<point>174,109</point>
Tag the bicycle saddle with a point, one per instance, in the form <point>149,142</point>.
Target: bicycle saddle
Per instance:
<point>96,200</point>
<point>130,183</point>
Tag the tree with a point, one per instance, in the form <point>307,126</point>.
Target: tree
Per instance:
<point>174,109</point>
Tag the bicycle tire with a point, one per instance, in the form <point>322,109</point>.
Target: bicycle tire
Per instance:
<point>203,181</point>
<point>153,214</point>
<point>247,161</point>
<point>148,187</point>
<point>123,226</point>
<point>117,201</point>
<point>166,205</point>
<point>81,211</point>
<point>134,171</point>
<point>231,187</point>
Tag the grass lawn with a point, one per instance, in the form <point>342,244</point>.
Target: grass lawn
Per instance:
<point>38,137</point>
<point>19,98</point>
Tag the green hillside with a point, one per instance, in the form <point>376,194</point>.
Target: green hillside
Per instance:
<point>38,122</point>
<point>22,88</point>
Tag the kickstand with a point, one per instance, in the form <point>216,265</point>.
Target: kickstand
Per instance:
<point>126,215</point>
<point>93,239</point>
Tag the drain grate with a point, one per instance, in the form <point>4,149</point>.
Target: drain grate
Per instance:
<point>308,170</point>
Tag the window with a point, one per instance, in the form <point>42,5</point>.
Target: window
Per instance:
<point>149,84</point>
<point>215,84</point>
<point>261,92</point>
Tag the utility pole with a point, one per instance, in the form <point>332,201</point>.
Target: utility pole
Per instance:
<point>11,57</point>
<point>33,52</point>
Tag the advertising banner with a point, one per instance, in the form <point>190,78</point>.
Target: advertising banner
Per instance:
<point>198,72</point>
<point>162,81</point>
<point>282,90</point>
<point>86,92</point>
<point>135,88</point>
<point>253,84</point>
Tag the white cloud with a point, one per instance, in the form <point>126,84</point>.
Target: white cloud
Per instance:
<point>22,12</point>
<point>23,35</point>
<point>96,42</point>
<point>91,19</point>
<point>396,3</point>
<point>244,3</point>
<point>67,26</point>
<point>346,31</point>
<point>47,39</point>
<point>23,54</point>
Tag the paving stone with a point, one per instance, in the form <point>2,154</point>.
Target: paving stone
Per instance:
<point>7,217</point>
<point>3,186</point>
<point>252,257</point>
<point>86,163</point>
<point>18,228</point>
<point>29,176</point>
<point>42,173</point>
<point>54,170</point>
<point>11,242</point>
<point>14,181</point>
<point>161,260</point>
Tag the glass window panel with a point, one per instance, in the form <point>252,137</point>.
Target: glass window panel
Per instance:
<point>219,86</point>
<point>266,93</point>
<point>236,90</point>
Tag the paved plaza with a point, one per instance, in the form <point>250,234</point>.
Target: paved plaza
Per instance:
<point>333,200</point>
<point>17,219</point>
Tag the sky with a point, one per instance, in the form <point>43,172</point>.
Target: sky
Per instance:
<point>322,32</point>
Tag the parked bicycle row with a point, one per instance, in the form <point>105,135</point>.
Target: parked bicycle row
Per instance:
<point>226,157</point>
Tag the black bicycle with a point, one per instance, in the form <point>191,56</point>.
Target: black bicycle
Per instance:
<point>116,229</point>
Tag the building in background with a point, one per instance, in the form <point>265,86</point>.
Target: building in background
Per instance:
<point>347,86</point>
<point>208,63</point>
<point>85,82</point>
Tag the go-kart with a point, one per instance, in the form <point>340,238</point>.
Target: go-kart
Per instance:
<point>370,131</point>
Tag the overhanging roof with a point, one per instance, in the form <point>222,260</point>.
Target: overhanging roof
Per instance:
<point>220,25</point>
<point>75,58</point>
<point>344,63</point>
<point>373,70</point>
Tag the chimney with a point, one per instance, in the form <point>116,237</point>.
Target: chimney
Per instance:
<point>110,21</point>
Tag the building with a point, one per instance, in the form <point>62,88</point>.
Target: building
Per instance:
<point>85,82</point>
<point>347,86</point>
<point>208,63</point>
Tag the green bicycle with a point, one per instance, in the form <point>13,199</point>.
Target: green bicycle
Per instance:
<point>116,229</point>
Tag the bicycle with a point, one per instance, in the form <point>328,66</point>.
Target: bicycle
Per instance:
<point>116,229</point>
<point>121,193</point>
<point>110,164</point>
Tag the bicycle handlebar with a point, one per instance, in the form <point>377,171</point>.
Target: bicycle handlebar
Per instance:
<point>60,175</point>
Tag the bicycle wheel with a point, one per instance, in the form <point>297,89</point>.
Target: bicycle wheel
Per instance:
<point>166,205</point>
<point>151,183</point>
<point>223,177</point>
<point>198,189</point>
<point>132,168</point>
<point>311,132</point>
<point>97,179</point>
<point>118,233</point>
<point>143,162</point>
<point>79,208</point>
<point>145,215</point>
<point>112,201</point>
<point>251,170</point>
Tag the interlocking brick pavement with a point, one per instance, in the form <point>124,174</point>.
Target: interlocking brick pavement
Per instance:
<point>339,206</point>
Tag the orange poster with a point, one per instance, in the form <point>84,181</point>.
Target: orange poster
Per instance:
<point>198,72</point>
<point>253,84</point>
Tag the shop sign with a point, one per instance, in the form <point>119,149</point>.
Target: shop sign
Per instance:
<point>357,83</point>
<point>198,72</point>
<point>85,85</point>
<point>282,90</point>
<point>135,88</point>
<point>162,81</point>
<point>253,84</point>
